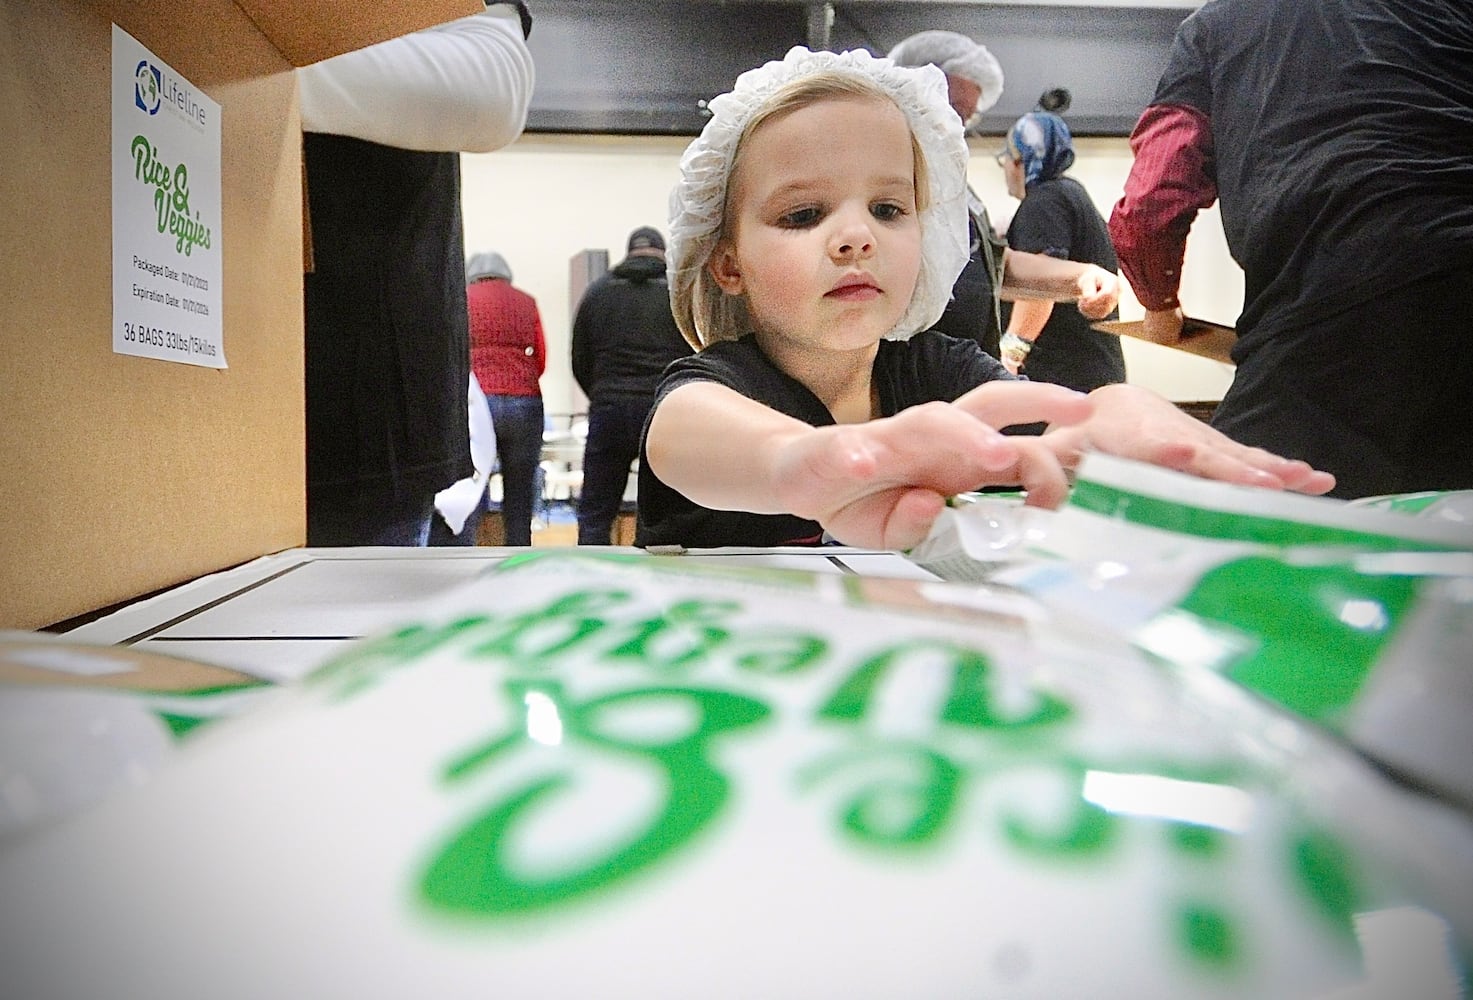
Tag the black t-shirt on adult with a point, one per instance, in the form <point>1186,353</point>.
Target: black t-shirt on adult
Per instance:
<point>929,367</point>
<point>1343,146</point>
<point>972,311</point>
<point>1058,219</point>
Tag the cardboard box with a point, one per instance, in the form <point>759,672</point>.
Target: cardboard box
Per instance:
<point>123,475</point>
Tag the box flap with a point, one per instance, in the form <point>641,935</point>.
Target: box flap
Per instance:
<point>307,32</point>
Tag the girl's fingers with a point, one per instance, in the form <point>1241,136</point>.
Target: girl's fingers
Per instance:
<point>934,447</point>
<point>1219,457</point>
<point>911,518</point>
<point>1039,473</point>
<point>1002,404</point>
<point>938,443</point>
<point>898,518</point>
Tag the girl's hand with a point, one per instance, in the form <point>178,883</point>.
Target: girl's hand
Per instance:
<point>1133,422</point>
<point>884,482</point>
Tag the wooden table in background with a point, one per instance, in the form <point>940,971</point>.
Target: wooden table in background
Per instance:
<point>1207,340</point>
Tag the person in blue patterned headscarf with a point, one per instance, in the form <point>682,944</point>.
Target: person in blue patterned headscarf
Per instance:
<point>1042,143</point>
<point>1055,218</point>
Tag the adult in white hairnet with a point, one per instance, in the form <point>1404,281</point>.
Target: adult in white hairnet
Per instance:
<point>973,75</point>
<point>974,83</point>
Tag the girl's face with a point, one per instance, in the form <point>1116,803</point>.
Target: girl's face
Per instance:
<point>822,234</point>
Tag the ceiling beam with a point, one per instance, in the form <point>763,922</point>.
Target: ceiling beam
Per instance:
<point>648,66</point>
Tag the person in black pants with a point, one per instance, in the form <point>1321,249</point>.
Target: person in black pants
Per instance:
<point>623,337</point>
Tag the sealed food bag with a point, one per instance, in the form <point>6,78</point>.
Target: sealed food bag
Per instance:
<point>1124,509</point>
<point>629,776</point>
<point>1376,647</point>
<point>79,721</point>
<point>1357,619</point>
<point>978,533</point>
<point>1451,506</point>
<point>1120,508</point>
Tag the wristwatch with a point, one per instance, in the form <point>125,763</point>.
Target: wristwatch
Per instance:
<point>1014,348</point>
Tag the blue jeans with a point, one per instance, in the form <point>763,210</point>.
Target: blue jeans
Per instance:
<point>517,421</point>
<point>614,428</point>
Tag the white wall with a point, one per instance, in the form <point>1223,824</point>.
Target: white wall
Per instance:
<point>546,198</point>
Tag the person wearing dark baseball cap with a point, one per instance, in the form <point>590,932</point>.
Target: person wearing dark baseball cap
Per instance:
<point>624,335</point>
<point>646,241</point>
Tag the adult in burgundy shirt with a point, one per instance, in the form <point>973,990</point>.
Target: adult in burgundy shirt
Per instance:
<point>1338,137</point>
<point>508,356</point>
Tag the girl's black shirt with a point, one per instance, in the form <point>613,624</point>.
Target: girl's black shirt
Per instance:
<point>928,367</point>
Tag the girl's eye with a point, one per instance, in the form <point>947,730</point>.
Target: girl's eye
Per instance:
<point>887,212</point>
<point>799,218</point>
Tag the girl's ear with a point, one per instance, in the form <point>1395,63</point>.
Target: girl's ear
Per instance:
<point>724,269</point>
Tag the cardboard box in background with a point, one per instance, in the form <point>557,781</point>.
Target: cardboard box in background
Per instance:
<point>124,475</point>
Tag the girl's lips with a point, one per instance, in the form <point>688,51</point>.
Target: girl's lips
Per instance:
<point>854,289</point>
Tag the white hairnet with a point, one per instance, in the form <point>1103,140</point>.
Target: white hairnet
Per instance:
<point>698,202</point>
<point>957,55</point>
<point>487,265</point>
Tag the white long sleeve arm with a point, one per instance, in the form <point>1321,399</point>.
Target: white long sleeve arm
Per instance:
<point>463,86</point>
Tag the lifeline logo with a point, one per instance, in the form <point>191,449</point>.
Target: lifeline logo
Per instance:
<point>153,89</point>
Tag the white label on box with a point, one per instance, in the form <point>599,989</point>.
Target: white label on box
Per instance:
<point>166,212</point>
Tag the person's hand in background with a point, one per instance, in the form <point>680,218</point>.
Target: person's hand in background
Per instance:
<point>1099,292</point>
<point>1163,326</point>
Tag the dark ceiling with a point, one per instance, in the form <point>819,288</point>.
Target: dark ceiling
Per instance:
<point>631,67</point>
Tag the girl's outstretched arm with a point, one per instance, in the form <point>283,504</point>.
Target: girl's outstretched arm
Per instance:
<point>882,483</point>
<point>879,483</point>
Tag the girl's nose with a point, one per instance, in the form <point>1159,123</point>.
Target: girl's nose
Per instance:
<point>853,240</point>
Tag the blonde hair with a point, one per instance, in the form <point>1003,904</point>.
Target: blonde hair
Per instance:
<point>705,313</point>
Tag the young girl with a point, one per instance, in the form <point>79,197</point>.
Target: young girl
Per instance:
<point>819,224</point>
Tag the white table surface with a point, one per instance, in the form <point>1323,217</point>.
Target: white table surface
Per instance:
<point>279,616</point>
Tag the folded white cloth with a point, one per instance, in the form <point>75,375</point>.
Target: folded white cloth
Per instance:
<point>456,501</point>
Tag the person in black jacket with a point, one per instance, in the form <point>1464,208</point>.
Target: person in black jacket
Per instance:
<point>624,335</point>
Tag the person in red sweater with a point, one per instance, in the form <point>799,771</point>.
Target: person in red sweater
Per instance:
<point>508,356</point>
